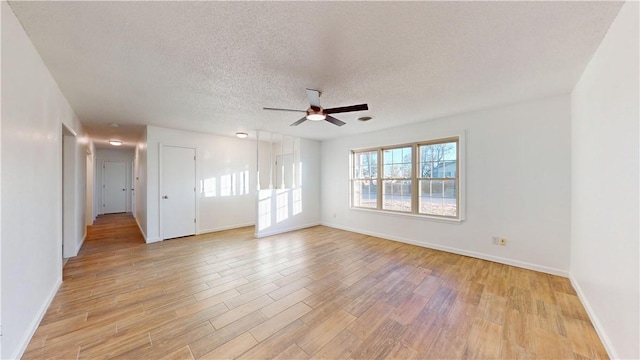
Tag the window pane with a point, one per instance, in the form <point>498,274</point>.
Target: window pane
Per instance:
<point>397,156</point>
<point>365,165</point>
<point>387,171</point>
<point>406,170</point>
<point>365,193</point>
<point>449,189</point>
<point>396,195</point>
<point>450,169</point>
<point>438,197</point>
<point>438,160</point>
<point>425,170</point>
<point>388,157</point>
<point>397,163</point>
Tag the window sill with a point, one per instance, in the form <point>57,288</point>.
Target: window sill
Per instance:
<point>408,215</point>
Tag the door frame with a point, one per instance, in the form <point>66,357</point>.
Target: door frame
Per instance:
<point>127,196</point>
<point>160,187</point>
<point>69,186</point>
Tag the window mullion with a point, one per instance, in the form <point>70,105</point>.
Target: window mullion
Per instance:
<point>352,178</point>
<point>414,177</point>
<point>457,178</point>
<point>379,180</point>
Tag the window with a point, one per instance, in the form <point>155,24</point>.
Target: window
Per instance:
<point>437,179</point>
<point>364,180</point>
<point>420,178</point>
<point>396,179</point>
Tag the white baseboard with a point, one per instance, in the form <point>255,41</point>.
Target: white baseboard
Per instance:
<point>144,236</point>
<point>262,234</point>
<point>36,321</point>
<point>84,237</point>
<point>222,228</point>
<point>501,260</point>
<point>608,346</point>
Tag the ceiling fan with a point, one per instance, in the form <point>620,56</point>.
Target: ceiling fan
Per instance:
<point>315,112</point>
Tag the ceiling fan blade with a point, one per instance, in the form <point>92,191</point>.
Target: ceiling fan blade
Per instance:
<point>299,121</point>
<point>279,109</point>
<point>346,109</point>
<point>334,121</point>
<point>314,97</point>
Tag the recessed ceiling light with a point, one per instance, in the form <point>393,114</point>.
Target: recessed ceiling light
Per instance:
<point>114,125</point>
<point>365,118</point>
<point>115,142</point>
<point>242,135</point>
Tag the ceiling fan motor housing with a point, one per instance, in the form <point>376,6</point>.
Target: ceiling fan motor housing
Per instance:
<point>316,113</point>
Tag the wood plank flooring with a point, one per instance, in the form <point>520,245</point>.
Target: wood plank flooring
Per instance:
<point>317,293</point>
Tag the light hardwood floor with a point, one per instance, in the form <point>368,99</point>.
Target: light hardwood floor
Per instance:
<point>314,293</point>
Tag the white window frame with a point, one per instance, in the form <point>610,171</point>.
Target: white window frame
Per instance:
<point>383,178</point>
<point>415,179</point>
<point>353,178</point>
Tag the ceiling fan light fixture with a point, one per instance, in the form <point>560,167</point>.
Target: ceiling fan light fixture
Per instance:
<point>115,142</point>
<point>315,112</point>
<point>316,117</point>
<point>242,135</point>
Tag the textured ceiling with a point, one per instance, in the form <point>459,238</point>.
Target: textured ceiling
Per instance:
<point>212,66</point>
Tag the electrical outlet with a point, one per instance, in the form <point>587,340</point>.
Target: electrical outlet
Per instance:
<point>495,240</point>
<point>503,242</point>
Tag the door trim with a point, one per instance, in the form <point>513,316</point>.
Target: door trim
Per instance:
<point>160,187</point>
<point>68,194</point>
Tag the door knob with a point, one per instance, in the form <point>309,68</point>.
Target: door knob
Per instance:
<point>165,197</point>
<point>124,190</point>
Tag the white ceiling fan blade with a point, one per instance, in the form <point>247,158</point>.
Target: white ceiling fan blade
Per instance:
<point>281,109</point>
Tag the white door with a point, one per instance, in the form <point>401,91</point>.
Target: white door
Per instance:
<point>133,185</point>
<point>178,192</point>
<point>114,195</point>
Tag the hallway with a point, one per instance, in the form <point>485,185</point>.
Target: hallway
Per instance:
<point>112,232</point>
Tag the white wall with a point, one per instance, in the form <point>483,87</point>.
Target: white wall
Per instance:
<point>118,155</point>
<point>33,111</point>
<point>604,187</point>
<point>217,156</point>
<point>285,210</point>
<point>140,185</point>
<point>1,267</point>
<point>517,185</point>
